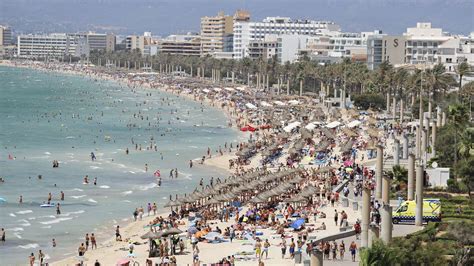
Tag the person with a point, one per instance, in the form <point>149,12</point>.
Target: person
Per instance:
<point>93,241</point>
<point>118,237</point>
<point>231,233</point>
<point>266,245</point>
<point>40,256</point>
<point>292,248</point>
<point>283,246</point>
<point>58,211</point>
<point>258,248</point>
<point>135,214</point>
<point>21,199</point>
<point>190,163</point>
<point>334,250</point>
<point>3,234</point>
<point>181,246</point>
<point>357,229</point>
<point>32,259</point>
<point>54,243</point>
<point>62,195</point>
<point>81,250</point>
<point>342,249</point>
<point>130,247</point>
<point>335,216</point>
<point>96,263</point>
<point>95,181</point>
<point>87,241</point>
<point>353,249</point>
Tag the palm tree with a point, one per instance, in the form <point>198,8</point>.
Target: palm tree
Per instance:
<point>463,69</point>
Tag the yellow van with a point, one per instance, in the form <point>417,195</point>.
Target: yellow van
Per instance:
<point>405,213</point>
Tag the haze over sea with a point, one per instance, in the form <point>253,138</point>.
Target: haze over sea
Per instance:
<point>51,116</point>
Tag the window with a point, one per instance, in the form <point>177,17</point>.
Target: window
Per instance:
<point>403,208</point>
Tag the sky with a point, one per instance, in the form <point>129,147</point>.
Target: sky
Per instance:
<point>163,17</point>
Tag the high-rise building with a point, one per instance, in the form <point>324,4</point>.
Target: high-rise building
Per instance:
<point>246,31</point>
<point>5,36</point>
<point>216,32</point>
<point>375,50</point>
<point>134,42</point>
<point>46,46</point>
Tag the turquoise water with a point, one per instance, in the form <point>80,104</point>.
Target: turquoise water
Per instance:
<point>50,116</point>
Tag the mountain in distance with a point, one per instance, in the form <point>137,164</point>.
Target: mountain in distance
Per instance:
<point>163,17</point>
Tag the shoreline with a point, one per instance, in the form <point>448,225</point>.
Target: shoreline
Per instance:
<point>131,226</point>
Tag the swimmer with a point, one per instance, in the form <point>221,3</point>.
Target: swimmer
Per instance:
<point>21,199</point>
<point>86,179</point>
<point>62,195</point>
<point>95,181</point>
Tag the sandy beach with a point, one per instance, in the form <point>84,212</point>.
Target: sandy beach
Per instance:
<point>284,175</point>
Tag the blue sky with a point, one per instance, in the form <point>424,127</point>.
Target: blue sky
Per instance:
<point>163,17</point>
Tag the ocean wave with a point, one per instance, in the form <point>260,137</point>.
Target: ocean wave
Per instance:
<point>17,235</point>
<point>78,197</point>
<point>12,215</point>
<point>126,201</point>
<point>104,186</point>
<point>47,153</point>
<point>70,137</point>
<point>127,192</point>
<point>25,223</point>
<point>58,220</point>
<point>94,167</point>
<point>92,200</point>
<point>46,227</point>
<point>24,212</point>
<point>76,212</point>
<point>147,187</point>
<point>16,229</point>
<point>29,246</point>
<point>76,189</point>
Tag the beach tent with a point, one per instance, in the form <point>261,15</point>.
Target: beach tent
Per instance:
<point>240,88</point>
<point>293,102</point>
<point>265,104</point>
<point>250,106</point>
<point>333,124</point>
<point>217,89</point>
<point>229,89</point>
<point>206,90</point>
<point>354,123</point>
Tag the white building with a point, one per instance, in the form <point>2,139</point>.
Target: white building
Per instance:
<point>46,46</point>
<point>427,46</point>
<point>334,46</point>
<point>246,31</point>
<point>288,47</point>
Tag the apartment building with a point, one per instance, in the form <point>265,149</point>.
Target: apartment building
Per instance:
<point>5,36</point>
<point>46,46</point>
<point>187,45</point>
<point>334,46</point>
<point>263,49</point>
<point>246,31</point>
<point>216,34</point>
<point>134,42</point>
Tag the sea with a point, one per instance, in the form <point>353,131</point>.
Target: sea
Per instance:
<point>48,116</point>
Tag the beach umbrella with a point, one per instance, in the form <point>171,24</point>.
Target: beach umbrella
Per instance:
<point>149,235</point>
<point>171,231</point>
<point>123,262</point>
<point>171,203</point>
